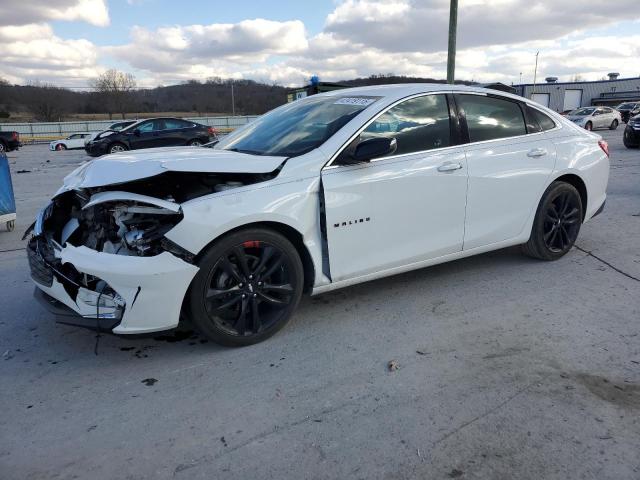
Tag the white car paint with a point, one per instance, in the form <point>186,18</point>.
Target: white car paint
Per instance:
<point>419,213</point>
<point>73,141</point>
<point>131,165</point>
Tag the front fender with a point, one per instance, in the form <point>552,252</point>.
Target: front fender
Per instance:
<point>293,203</point>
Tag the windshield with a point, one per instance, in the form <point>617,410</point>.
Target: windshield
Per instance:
<point>626,106</point>
<point>296,128</point>
<point>581,112</point>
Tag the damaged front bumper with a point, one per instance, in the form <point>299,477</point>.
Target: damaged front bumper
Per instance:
<point>148,291</point>
<point>126,294</point>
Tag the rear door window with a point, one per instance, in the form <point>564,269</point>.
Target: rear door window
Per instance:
<point>174,124</point>
<point>490,118</point>
<point>543,120</point>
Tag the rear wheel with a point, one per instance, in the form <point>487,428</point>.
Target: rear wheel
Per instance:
<point>588,126</point>
<point>194,143</point>
<point>557,222</point>
<point>117,147</point>
<point>247,288</point>
<point>3,148</point>
<point>614,125</point>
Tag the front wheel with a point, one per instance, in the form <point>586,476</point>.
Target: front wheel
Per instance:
<point>557,222</point>
<point>117,147</point>
<point>626,139</point>
<point>588,126</point>
<point>11,224</point>
<point>2,147</point>
<point>60,147</point>
<point>248,286</point>
<point>614,125</point>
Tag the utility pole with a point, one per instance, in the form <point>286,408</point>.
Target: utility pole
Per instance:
<point>233,101</point>
<point>453,30</point>
<point>535,76</point>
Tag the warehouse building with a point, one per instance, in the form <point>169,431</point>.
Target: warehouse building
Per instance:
<point>562,96</point>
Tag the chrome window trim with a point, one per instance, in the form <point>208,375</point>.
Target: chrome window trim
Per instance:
<point>330,165</point>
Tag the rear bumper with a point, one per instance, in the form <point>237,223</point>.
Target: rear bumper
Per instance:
<point>149,290</point>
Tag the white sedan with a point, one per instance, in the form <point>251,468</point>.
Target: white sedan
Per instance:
<point>73,141</point>
<point>325,192</point>
<point>591,118</point>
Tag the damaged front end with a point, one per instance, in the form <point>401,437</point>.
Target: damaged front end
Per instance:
<point>98,252</point>
<point>81,239</point>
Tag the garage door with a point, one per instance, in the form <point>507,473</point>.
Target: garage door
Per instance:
<point>541,98</point>
<point>572,99</point>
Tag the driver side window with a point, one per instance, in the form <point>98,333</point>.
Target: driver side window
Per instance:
<point>417,124</point>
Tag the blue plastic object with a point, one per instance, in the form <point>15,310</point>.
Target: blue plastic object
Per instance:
<point>7,199</point>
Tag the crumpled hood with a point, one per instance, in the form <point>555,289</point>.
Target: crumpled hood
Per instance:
<point>134,165</point>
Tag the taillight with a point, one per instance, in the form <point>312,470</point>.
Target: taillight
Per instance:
<point>212,131</point>
<point>604,146</point>
<point>14,136</point>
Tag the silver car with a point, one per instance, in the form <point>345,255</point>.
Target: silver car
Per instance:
<point>591,118</point>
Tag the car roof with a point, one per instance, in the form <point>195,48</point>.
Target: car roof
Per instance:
<point>401,90</point>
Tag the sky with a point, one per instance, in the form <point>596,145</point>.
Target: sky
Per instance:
<point>164,42</point>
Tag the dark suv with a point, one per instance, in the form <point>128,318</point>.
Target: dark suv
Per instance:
<point>9,141</point>
<point>151,133</point>
<point>628,110</point>
<point>631,137</point>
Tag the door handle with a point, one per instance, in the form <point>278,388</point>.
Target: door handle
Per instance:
<point>537,152</point>
<point>449,167</point>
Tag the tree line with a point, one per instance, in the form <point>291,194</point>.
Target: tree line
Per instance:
<point>116,93</point>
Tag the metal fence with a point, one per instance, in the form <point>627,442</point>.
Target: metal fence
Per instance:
<point>46,132</point>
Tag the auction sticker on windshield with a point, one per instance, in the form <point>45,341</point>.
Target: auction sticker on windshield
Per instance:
<point>362,101</point>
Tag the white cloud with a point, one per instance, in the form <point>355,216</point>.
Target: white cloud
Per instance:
<point>33,52</point>
<point>18,12</point>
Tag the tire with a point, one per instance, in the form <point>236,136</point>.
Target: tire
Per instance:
<point>556,224</point>
<point>626,139</point>
<point>11,224</point>
<point>117,147</point>
<point>3,147</point>
<point>61,146</point>
<point>614,125</point>
<point>588,126</point>
<point>194,143</point>
<point>248,286</point>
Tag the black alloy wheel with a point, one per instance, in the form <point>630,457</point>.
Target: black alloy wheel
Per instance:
<point>562,222</point>
<point>247,288</point>
<point>557,222</point>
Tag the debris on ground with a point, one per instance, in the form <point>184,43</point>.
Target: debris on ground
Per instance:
<point>149,381</point>
<point>422,352</point>
<point>7,355</point>
<point>455,473</point>
<point>23,171</point>
<point>393,365</point>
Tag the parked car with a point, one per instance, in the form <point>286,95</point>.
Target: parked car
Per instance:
<point>151,133</point>
<point>631,136</point>
<point>591,118</point>
<point>73,141</point>
<point>628,110</point>
<point>9,141</point>
<point>325,192</point>
<point>564,113</point>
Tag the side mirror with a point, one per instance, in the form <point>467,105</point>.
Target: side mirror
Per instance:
<point>136,132</point>
<point>374,148</point>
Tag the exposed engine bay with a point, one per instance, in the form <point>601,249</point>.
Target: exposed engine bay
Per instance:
<point>133,226</point>
<point>128,219</point>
